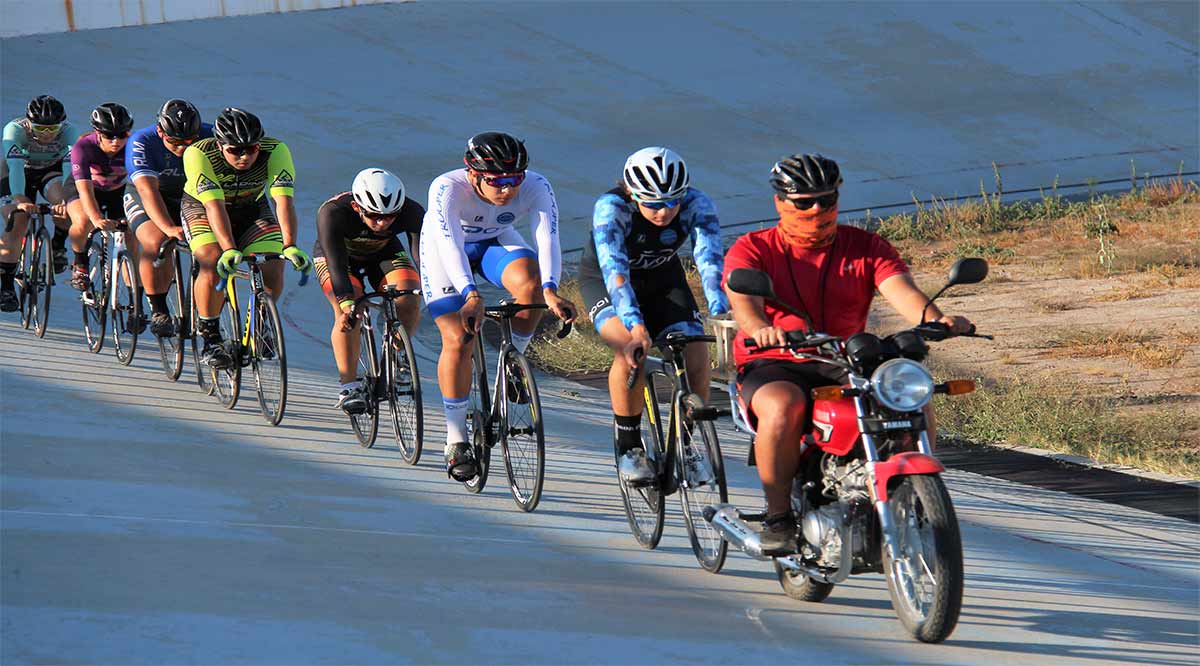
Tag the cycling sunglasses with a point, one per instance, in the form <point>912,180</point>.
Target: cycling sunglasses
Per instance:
<point>46,129</point>
<point>507,180</point>
<point>239,151</point>
<point>826,201</point>
<point>180,142</point>
<point>659,205</point>
<point>376,217</point>
<point>113,137</point>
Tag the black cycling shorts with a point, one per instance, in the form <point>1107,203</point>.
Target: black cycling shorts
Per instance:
<point>36,180</point>
<point>663,296</point>
<point>111,202</point>
<point>807,375</point>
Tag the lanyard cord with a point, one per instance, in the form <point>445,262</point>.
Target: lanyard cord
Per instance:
<point>824,275</point>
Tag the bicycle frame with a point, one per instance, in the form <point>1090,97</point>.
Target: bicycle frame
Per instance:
<point>254,275</point>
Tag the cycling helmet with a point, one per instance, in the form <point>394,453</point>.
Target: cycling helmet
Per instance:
<point>45,110</point>
<point>656,174</point>
<point>111,118</point>
<point>496,152</point>
<point>235,127</point>
<point>805,174</point>
<point>378,191</point>
<point>178,119</point>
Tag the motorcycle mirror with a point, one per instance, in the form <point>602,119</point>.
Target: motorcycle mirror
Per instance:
<point>751,283</point>
<point>968,270</point>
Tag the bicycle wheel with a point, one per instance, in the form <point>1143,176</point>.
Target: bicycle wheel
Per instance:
<point>645,507</point>
<point>41,280</point>
<point>25,280</point>
<point>206,377</point>
<point>477,428</point>
<point>522,439</point>
<point>95,299</point>
<point>366,425</point>
<point>404,394</point>
<point>268,358</point>
<point>228,382</point>
<point>126,308</point>
<point>701,473</point>
<point>171,349</point>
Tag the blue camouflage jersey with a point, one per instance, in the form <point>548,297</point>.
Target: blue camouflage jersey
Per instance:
<point>626,243</point>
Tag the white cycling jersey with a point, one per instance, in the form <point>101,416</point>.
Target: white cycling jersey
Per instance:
<point>456,216</point>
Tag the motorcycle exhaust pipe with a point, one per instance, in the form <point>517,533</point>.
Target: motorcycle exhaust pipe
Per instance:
<point>727,521</point>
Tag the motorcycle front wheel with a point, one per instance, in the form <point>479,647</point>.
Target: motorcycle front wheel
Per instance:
<point>926,579</point>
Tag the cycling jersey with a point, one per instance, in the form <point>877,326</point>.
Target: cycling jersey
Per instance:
<point>458,217</point>
<point>147,156</point>
<point>210,177</point>
<point>90,162</point>
<point>341,236</point>
<point>22,151</point>
<point>624,243</point>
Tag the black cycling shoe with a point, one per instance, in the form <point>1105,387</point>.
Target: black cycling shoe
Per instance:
<point>60,259</point>
<point>9,301</point>
<point>460,462</point>
<point>80,279</point>
<point>215,356</point>
<point>136,324</point>
<point>162,325</point>
<point>778,535</point>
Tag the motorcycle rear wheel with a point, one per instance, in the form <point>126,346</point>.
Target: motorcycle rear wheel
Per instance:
<point>800,587</point>
<point>926,583</point>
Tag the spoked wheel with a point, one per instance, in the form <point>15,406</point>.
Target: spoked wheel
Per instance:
<point>521,433</point>
<point>481,436</point>
<point>126,310</point>
<point>645,508</point>
<point>799,586</point>
<point>228,382</point>
<point>701,474</point>
<point>404,394</point>
<point>171,348</point>
<point>366,425</point>
<point>268,357</point>
<point>95,299</point>
<point>42,279</point>
<point>926,579</point>
<point>25,281</point>
<point>206,377</point>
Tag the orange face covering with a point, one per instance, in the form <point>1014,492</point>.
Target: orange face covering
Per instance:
<point>806,229</point>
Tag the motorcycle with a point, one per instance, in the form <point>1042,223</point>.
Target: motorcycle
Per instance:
<point>868,496</point>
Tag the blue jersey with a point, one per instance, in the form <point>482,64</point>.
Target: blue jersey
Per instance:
<point>147,156</point>
<point>625,241</point>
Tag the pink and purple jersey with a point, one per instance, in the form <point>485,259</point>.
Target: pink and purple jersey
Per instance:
<point>90,162</point>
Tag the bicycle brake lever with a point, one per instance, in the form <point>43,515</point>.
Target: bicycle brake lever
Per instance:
<point>303,278</point>
<point>638,354</point>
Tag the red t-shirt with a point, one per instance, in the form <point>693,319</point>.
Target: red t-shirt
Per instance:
<point>850,269</point>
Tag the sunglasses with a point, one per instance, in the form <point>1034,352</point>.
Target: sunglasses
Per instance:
<point>241,150</point>
<point>179,142</point>
<point>114,137</point>
<point>826,201</point>
<point>47,129</point>
<point>510,180</point>
<point>376,217</point>
<point>658,205</point>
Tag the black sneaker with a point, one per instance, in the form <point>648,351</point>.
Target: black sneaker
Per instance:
<point>215,356</point>
<point>460,462</point>
<point>778,536</point>
<point>60,259</point>
<point>9,301</point>
<point>162,325</point>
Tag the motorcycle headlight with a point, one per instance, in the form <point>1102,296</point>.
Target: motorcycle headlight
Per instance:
<point>902,385</point>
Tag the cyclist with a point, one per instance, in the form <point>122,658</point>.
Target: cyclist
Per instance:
<point>638,229</point>
<point>470,228</point>
<point>828,271</point>
<point>226,214</point>
<point>358,232</point>
<point>95,193</point>
<point>34,149</point>
<point>154,161</point>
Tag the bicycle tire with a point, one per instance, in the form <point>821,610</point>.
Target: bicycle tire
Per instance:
<point>170,349</point>
<point>126,309</point>
<point>95,314</point>
<point>268,350</point>
<point>523,443</point>
<point>707,544</point>
<point>42,281</point>
<point>479,431</point>
<point>366,425</point>
<point>206,377</point>
<point>25,280</point>
<point>645,506</point>
<point>229,381</point>
<point>404,394</point>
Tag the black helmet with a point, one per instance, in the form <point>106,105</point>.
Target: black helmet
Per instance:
<point>45,110</point>
<point>178,119</point>
<point>235,127</point>
<point>111,118</point>
<point>496,152</point>
<point>805,174</point>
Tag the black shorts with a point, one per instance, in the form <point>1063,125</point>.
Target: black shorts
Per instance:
<point>135,210</point>
<point>663,296</point>
<point>111,202</point>
<point>393,257</point>
<point>37,179</point>
<point>252,224</point>
<point>807,375</point>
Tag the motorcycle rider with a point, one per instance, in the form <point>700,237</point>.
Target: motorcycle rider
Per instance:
<point>831,273</point>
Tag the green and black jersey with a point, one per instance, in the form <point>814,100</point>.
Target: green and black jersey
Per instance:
<point>210,177</point>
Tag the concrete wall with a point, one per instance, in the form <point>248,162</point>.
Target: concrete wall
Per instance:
<point>30,17</point>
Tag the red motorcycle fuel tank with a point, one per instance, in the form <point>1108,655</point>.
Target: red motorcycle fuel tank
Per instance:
<point>835,425</point>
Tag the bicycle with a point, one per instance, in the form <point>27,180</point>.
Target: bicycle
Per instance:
<point>522,440</point>
<point>171,349</point>
<point>118,295</point>
<point>396,381</point>
<point>35,271</point>
<point>680,463</point>
<point>257,343</point>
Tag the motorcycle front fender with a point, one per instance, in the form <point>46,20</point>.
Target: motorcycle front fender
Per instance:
<point>903,464</point>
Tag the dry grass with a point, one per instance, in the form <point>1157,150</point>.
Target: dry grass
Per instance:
<point>1054,305</point>
<point>1144,349</point>
<point>1127,292</point>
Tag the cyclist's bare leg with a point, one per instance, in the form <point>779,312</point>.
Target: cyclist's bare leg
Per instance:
<point>408,308</point>
<point>522,280</point>
<point>81,226</point>
<point>272,272</point>
<point>625,402</point>
<point>345,343</point>
<point>10,244</point>
<point>208,299</point>
<point>454,362</point>
<point>154,280</point>
<point>699,368</point>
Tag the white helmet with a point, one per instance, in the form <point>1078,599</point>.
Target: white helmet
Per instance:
<point>656,173</point>
<point>378,191</point>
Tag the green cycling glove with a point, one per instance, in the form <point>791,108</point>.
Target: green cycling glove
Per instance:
<point>228,263</point>
<point>298,257</point>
